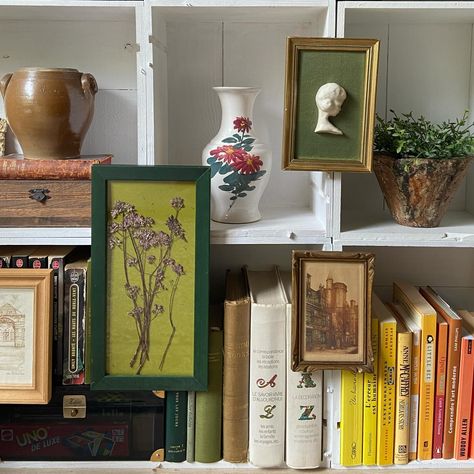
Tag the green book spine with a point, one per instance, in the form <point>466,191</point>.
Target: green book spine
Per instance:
<point>207,446</point>
<point>175,431</point>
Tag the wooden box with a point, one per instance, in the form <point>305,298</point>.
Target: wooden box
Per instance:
<point>45,203</point>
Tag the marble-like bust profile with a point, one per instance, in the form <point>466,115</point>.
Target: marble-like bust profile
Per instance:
<point>329,100</point>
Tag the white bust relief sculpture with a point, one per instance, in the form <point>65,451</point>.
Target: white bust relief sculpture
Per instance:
<point>329,100</point>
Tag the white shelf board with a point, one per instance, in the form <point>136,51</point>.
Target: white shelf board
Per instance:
<point>277,226</point>
<point>28,10</point>
<point>408,12</point>
<point>45,236</point>
<point>456,230</point>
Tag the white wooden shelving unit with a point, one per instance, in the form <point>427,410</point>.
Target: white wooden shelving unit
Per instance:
<point>156,62</point>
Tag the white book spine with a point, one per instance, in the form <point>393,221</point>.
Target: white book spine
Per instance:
<point>303,413</point>
<point>190,426</point>
<point>267,385</point>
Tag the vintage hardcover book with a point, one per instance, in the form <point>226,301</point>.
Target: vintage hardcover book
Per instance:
<point>402,395</point>
<point>19,259</point>
<point>88,327</point>
<point>267,369</point>
<point>6,252</point>
<point>352,388</point>
<point>440,394</point>
<point>75,284</point>
<point>190,427</point>
<point>236,369</point>
<point>304,404</point>
<point>454,321</point>
<point>16,167</point>
<point>464,407</point>
<point>207,444</point>
<point>175,425</point>
<point>38,258</point>
<point>369,442</point>
<point>424,315</point>
<point>386,381</point>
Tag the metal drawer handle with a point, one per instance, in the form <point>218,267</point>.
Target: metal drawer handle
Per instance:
<point>40,195</point>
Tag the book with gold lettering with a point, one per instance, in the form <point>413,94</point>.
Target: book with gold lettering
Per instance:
<point>369,444</point>
<point>424,316</point>
<point>235,423</point>
<point>267,385</point>
<point>386,381</point>
<point>352,388</point>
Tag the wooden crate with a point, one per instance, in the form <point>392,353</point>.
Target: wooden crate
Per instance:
<point>57,204</point>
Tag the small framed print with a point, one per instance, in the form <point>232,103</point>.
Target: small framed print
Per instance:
<point>331,310</point>
<point>150,266</point>
<point>329,104</point>
<point>25,336</point>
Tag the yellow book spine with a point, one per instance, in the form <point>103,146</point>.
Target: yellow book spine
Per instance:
<point>386,392</point>
<point>352,386</point>
<point>402,399</point>
<point>369,445</point>
<point>427,387</point>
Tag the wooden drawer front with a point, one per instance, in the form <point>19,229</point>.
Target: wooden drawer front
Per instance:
<point>68,203</point>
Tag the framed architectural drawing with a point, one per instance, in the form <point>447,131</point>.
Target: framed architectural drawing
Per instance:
<point>329,104</point>
<point>331,310</point>
<point>150,265</point>
<point>25,335</point>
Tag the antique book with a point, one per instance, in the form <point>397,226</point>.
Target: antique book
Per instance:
<point>369,441</point>
<point>454,321</point>
<point>267,369</point>
<point>6,253</point>
<point>235,423</point>
<point>352,388</point>
<point>175,425</point>
<point>16,167</point>
<point>440,394</point>
<point>207,441</point>
<point>386,381</point>
<point>424,315</point>
<point>402,394</point>
<point>304,404</point>
<point>19,259</point>
<point>190,426</point>
<point>75,284</point>
<point>464,407</point>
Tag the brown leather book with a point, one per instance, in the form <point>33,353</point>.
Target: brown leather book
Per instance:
<point>16,167</point>
<point>236,368</point>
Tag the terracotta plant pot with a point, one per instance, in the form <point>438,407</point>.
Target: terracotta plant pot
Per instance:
<point>419,190</point>
<point>49,110</point>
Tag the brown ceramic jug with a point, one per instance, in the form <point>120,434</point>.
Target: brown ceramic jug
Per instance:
<point>49,110</point>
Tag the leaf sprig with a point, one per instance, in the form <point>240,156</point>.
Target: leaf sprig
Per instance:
<point>406,136</point>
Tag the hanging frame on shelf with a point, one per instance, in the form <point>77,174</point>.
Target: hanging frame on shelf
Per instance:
<point>150,265</point>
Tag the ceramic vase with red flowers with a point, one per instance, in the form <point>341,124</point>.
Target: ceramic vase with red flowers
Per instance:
<point>240,164</point>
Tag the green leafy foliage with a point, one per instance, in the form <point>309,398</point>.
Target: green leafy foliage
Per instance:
<point>406,136</point>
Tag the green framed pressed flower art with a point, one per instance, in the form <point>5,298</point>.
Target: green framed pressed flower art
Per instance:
<point>150,259</point>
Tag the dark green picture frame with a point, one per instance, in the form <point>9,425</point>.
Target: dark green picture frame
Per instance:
<point>135,183</point>
<point>311,65</point>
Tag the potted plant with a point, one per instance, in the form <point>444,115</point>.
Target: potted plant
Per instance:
<point>419,165</point>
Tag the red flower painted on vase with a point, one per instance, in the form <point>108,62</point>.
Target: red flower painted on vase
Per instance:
<point>242,124</point>
<point>228,154</point>
<point>248,164</point>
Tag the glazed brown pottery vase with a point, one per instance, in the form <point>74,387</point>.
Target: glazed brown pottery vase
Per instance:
<point>419,190</point>
<point>49,110</point>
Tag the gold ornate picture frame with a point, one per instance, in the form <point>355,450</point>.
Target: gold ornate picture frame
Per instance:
<point>25,336</point>
<point>331,316</point>
<point>329,115</point>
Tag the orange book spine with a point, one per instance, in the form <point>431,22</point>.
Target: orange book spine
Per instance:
<point>463,412</point>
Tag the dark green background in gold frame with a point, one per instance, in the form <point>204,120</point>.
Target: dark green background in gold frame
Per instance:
<point>104,179</point>
<point>316,68</point>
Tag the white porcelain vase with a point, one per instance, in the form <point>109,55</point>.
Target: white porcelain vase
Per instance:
<point>240,164</point>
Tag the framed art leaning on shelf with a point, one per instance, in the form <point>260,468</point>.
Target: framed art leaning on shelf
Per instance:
<point>150,264</point>
<point>25,335</point>
<point>331,317</point>
<point>329,104</point>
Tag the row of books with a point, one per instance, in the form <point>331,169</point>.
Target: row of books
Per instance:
<point>270,416</point>
<point>70,267</point>
<point>418,402</point>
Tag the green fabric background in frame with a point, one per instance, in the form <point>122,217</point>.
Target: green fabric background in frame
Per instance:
<point>109,363</point>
